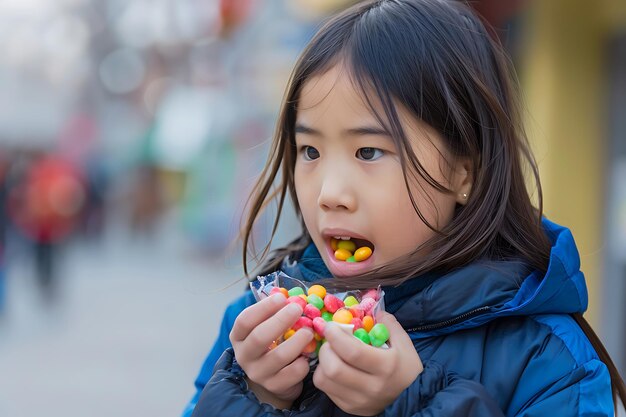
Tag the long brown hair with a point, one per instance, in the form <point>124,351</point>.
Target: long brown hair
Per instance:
<point>437,60</point>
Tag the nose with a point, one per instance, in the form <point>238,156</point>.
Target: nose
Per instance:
<point>337,193</point>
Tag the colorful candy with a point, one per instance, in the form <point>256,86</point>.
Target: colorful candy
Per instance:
<point>368,323</point>
<point>311,311</point>
<point>295,291</point>
<point>316,301</point>
<point>362,254</point>
<point>318,290</point>
<point>320,307</point>
<point>346,250</point>
<point>362,334</point>
<point>342,316</point>
<point>379,334</point>
<point>332,303</point>
<point>342,254</point>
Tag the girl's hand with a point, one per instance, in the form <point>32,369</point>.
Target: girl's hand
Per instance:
<point>362,379</point>
<point>276,375</point>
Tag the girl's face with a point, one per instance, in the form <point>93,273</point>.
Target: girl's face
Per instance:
<point>349,180</point>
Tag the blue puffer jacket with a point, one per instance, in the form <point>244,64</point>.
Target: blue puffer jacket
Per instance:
<point>495,338</point>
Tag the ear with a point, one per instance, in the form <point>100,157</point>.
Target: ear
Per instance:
<point>463,180</point>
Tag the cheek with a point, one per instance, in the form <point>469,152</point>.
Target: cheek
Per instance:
<point>402,230</point>
<point>305,196</point>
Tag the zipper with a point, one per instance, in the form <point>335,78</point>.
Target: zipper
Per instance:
<point>450,322</point>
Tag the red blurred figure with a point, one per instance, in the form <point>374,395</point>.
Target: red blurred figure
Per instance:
<point>46,206</point>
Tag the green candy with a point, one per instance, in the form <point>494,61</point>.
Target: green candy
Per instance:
<point>296,291</point>
<point>379,335</point>
<point>362,335</point>
<point>319,345</point>
<point>315,301</point>
<point>351,259</point>
<point>350,301</point>
<point>327,316</point>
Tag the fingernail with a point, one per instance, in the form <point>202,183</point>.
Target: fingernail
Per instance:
<point>278,299</point>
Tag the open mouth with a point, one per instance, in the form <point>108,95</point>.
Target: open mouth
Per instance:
<point>349,249</point>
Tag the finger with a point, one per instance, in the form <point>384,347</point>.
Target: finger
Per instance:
<point>262,336</point>
<point>351,350</point>
<point>332,367</point>
<point>289,376</point>
<point>398,337</point>
<point>254,315</point>
<point>290,349</point>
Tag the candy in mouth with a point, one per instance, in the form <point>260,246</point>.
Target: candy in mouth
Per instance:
<point>351,249</point>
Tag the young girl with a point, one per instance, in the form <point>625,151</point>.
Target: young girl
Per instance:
<point>399,131</point>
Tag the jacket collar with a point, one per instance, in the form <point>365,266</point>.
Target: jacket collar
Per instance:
<point>483,291</point>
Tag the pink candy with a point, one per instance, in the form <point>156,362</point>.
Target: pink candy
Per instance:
<point>319,325</point>
<point>332,303</point>
<point>373,294</point>
<point>298,300</point>
<point>312,312</point>
<point>357,311</point>
<point>357,322</point>
<point>367,304</point>
<point>302,322</point>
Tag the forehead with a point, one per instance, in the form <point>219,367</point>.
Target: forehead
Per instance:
<point>334,98</point>
<point>335,89</point>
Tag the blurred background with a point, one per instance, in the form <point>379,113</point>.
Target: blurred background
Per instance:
<point>131,132</point>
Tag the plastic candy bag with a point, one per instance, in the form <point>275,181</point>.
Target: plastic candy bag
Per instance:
<point>354,310</point>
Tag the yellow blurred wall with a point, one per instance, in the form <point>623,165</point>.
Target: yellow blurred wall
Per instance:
<point>565,85</point>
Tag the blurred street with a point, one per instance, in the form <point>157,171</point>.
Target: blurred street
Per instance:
<point>125,335</point>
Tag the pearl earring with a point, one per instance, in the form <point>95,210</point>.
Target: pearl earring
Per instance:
<point>464,196</point>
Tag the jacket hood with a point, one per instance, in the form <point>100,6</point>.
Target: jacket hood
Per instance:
<point>483,291</point>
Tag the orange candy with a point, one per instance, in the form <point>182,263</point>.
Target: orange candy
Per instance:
<point>342,316</point>
<point>362,254</point>
<point>317,290</point>
<point>310,348</point>
<point>368,323</point>
<point>289,333</point>
<point>342,254</point>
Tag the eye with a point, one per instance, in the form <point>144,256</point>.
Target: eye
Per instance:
<point>310,153</point>
<point>369,154</point>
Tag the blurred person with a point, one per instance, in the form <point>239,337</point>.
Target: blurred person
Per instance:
<point>45,205</point>
<point>147,201</point>
<point>96,182</point>
<point>4,170</point>
<point>400,131</point>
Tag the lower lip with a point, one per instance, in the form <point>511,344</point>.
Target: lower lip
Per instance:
<point>345,269</point>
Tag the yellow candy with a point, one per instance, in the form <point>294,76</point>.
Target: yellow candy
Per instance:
<point>318,290</point>
<point>333,243</point>
<point>342,316</point>
<point>348,245</point>
<point>342,254</point>
<point>289,333</point>
<point>362,254</point>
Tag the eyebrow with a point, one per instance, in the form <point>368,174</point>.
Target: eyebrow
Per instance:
<point>356,131</point>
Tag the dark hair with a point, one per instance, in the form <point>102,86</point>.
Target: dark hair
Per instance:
<point>436,59</point>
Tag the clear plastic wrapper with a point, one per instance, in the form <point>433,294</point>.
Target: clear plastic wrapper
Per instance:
<point>359,303</point>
